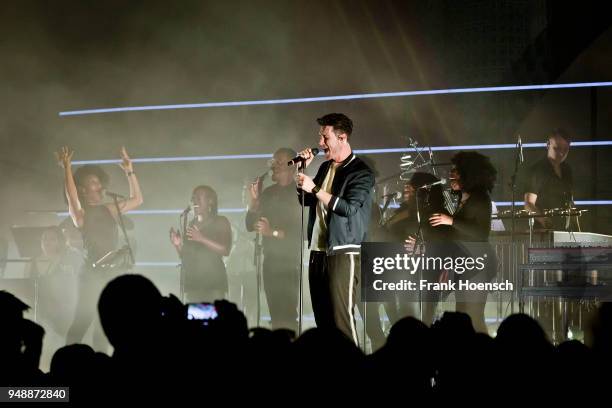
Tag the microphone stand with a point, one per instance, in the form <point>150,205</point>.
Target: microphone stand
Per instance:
<point>420,242</point>
<point>123,230</point>
<point>258,256</point>
<point>517,163</point>
<point>257,261</point>
<point>388,200</point>
<point>183,220</point>
<point>300,170</point>
<point>448,201</point>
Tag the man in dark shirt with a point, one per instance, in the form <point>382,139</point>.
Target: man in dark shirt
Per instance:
<point>273,214</point>
<point>549,182</point>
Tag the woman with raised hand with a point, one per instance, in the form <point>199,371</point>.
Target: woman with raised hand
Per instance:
<point>97,221</point>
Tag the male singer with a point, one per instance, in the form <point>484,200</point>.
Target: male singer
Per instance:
<point>340,204</point>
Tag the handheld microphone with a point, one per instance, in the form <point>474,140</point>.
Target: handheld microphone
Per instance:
<point>299,159</point>
<point>265,175</point>
<point>258,182</point>
<point>396,194</point>
<point>442,181</point>
<point>189,208</point>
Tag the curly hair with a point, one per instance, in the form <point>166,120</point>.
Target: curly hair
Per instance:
<point>82,173</point>
<point>91,170</point>
<point>476,172</point>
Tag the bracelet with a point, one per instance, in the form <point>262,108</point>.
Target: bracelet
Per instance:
<point>316,189</point>
<point>129,173</point>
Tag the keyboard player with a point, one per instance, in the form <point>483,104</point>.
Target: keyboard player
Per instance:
<point>550,183</point>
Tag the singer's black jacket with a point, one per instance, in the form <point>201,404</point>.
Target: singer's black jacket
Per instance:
<point>349,209</point>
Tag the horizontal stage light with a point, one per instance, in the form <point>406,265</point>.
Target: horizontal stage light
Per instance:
<point>242,210</point>
<point>165,212</point>
<point>157,264</point>
<point>580,202</point>
<point>179,159</point>
<point>337,98</point>
<point>362,151</point>
<point>521,203</point>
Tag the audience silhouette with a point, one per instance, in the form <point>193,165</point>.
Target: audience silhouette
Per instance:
<point>161,355</point>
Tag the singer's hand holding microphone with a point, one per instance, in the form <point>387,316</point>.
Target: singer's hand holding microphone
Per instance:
<point>262,226</point>
<point>304,182</point>
<point>254,188</point>
<point>304,158</point>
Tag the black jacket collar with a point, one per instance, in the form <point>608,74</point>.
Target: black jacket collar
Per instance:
<point>345,162</point>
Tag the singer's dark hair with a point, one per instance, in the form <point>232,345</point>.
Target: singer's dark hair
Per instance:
<point>287,151</point>
<point>562,133</point>
<point>211,194</point>
<point>476,172</point>
<point>91,170</point>
<point>339,121</point>
<point>82,173</point>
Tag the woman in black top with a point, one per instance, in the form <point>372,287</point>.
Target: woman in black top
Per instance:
<point>209,239</point>
<point>403,226</point>
<point>97,222</point>
<point>474,176</point>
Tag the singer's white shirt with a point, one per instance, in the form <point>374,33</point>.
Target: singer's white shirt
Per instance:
<point>319,232</point>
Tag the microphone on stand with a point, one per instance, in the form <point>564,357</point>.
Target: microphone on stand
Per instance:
<point>442,181</point>
<point>520,149</point>
<point>396,194</point>
<point>114,195</point>
<point>299,159</point>
<point>187,210</point>
<point>431,162</point>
